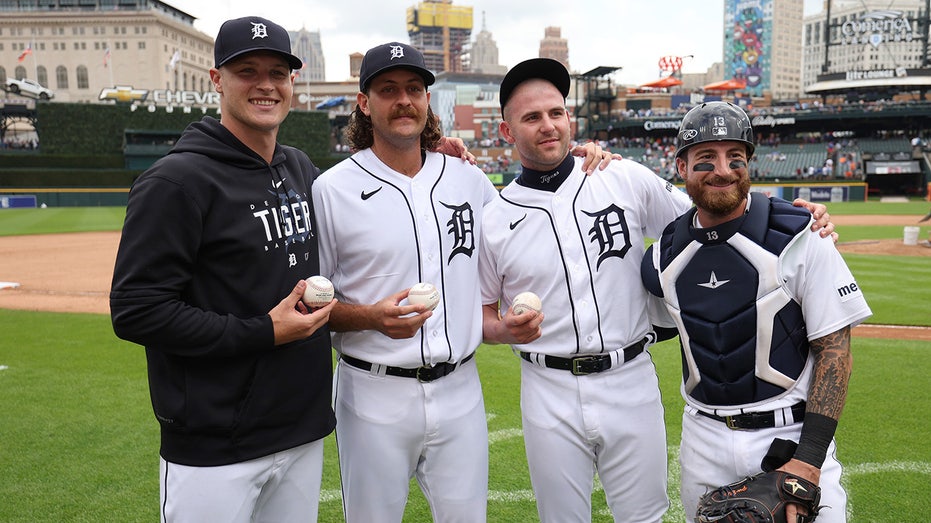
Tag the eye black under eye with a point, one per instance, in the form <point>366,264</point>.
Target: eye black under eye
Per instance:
<point>704,166</point>
<point>738,164</point>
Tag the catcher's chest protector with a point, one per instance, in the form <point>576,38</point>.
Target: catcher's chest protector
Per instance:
<point>743,336</point>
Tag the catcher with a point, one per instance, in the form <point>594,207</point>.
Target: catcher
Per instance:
<point>764,308</point>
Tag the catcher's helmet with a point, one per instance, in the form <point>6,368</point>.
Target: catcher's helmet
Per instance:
<point>715,122</point>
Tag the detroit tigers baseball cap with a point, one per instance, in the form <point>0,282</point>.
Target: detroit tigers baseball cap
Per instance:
<point>252,33</point>
<point>379,59</point>
<point>546,68</point>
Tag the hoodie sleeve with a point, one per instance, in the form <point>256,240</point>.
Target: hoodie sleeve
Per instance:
<point>156,261</point>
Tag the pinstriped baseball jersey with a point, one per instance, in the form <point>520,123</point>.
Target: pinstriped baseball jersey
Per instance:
<point>381,232</point>
<point>579,249</point>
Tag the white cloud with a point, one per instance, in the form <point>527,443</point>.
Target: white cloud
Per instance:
<point>631,34</point>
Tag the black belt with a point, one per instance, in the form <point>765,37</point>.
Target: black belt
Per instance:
<point>425,374</point>
<point>589,363</point>
<point>756,420</point>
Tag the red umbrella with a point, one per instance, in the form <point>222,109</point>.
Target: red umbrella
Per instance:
<point>666,81</point>
<point>734,84</point>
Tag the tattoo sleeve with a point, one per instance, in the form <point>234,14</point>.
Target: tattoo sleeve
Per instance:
<point>833,363</point>
<point>826,397</point>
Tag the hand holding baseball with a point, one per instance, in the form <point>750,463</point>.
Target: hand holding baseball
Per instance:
<point>424,294</point>
<point>290,319</point>
<point>526,302</point>
<point>318,293</point>
<point>523,324</point>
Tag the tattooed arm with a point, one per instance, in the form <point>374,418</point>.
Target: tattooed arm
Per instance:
<point>833,363</point>
<point>826,398</point>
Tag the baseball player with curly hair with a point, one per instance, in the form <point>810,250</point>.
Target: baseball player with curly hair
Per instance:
<point>407,395</point>
<point>764,309</point>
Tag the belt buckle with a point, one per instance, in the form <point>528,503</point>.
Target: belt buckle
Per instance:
<point>731,422</point>
<point>576,371</point>
<point>422,375</point>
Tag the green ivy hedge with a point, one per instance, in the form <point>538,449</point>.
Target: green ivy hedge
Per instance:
<point>97,129</point>
<point>81,145</point>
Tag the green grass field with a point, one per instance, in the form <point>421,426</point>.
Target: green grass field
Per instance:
<point>78,441</point>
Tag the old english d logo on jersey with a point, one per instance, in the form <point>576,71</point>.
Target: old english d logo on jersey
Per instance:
<point>462,229</point>
<point>607,226</point>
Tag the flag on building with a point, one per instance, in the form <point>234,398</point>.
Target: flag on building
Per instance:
<point>174,59</point>
<point>25,53</point>
<point>106,58</point>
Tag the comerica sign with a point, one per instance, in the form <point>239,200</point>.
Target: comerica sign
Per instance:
<point>877,27</point>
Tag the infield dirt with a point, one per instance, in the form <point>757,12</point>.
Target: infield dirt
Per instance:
<point>72,272</point>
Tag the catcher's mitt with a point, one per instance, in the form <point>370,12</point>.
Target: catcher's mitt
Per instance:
<point>759,499</point>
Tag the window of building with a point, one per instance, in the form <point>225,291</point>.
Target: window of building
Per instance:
<point>82,77</point>
<point>20,72</point>
<point>2,74</point>
<point>61,77</point>
<point>42,75</point>
<point>142,45</point>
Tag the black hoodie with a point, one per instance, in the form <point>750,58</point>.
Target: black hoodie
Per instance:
<point>214,238</point>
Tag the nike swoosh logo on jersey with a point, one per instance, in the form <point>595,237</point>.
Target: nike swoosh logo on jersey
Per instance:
<point>367,195</point>
<point>515,224</point>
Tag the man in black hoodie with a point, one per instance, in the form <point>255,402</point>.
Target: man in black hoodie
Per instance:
<point>218,238</point>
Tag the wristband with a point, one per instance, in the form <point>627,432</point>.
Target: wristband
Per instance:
<point>817,433</point>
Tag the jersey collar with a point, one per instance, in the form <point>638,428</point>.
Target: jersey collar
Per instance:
<point>547,180</point>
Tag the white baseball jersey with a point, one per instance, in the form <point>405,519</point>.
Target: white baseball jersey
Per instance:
<point>381,232</point>
<point>579,250</point>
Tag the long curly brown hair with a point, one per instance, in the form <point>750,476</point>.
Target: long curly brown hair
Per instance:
<point>360,134</point>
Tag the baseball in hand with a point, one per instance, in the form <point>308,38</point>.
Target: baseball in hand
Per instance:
<point>319,292</point>
<point>424,294</point>
<point>526,302</point>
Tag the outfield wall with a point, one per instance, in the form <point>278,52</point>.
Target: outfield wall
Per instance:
<point>66,197</point>
<point>117,197</point>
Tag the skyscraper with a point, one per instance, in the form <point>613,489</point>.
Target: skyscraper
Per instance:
<point>555,46</point>
<point>442,32</point>
<point>484,55</point>
<point>306,46</point>
<point>763,45</point>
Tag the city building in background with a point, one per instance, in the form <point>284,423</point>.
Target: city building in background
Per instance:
<point>484,54</point>
<point>442,32</point>
<point>867,49</point>
<point>763,46</point>
<point>554,46</point>
<point>80,49</point>
<point>306,46</point>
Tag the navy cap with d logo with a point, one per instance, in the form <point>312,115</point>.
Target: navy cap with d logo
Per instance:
<point>388,56</point>
<point>252,33</point>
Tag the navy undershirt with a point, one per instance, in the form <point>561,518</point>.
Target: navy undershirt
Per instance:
<point>546,180</point>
